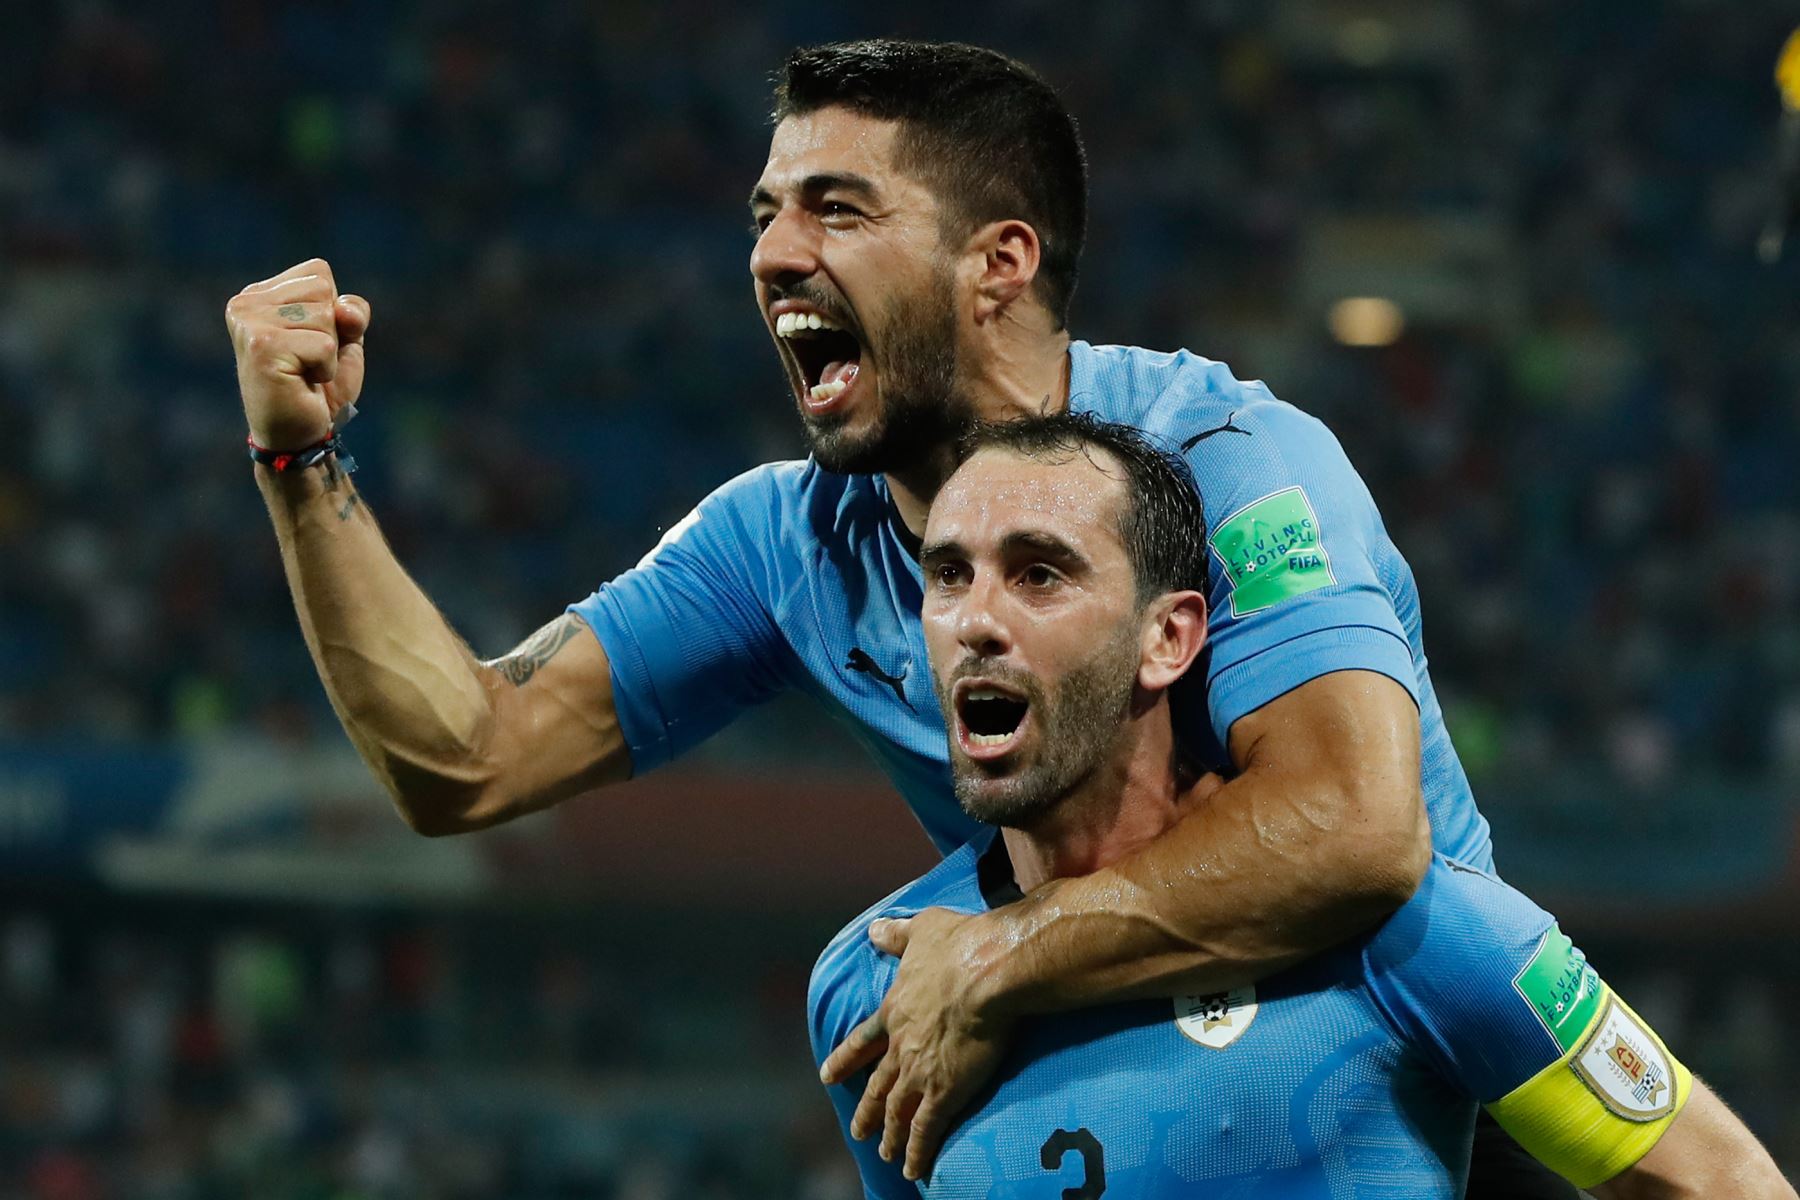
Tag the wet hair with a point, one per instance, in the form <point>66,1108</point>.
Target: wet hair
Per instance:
<point>985,132</point>
<point>1162,524</point>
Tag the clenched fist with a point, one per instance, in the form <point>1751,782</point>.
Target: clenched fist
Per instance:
<point>299,347</point>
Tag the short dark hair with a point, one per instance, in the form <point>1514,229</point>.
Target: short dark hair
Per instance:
<point>984,131</point>
<point>1163,524</point>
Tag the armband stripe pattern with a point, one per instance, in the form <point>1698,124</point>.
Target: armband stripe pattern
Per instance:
<point>1601,1106</point>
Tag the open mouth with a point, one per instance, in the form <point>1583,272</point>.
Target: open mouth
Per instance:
<point>989,719</point>
<point>828,356</point>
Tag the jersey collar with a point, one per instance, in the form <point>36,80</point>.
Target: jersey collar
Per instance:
<point>1082,368</point>
<point>994,871</point>
<point>911,544</point>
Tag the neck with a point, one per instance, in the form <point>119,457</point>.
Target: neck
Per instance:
<point>1128,801</point>
<point>1021,373</point>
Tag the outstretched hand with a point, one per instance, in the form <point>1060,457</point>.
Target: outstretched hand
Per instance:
<point>932,1043</point>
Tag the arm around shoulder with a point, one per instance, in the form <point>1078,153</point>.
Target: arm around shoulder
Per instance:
<point>1321,835</point>
<point>1339,756</point>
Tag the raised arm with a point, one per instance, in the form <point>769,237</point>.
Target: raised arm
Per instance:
<point>459,744</point>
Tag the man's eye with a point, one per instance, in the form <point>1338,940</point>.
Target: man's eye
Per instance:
<point>759,224</point>
<point>949,575</point>
<point>1038,575</point>
<point>837,210</point>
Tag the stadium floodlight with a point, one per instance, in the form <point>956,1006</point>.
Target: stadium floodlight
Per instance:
<point>1366,321</point>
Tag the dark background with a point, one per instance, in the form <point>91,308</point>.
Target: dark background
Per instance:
<point>225,967</point>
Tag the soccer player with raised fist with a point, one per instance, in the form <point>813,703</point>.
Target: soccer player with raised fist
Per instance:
<point>920,221</point>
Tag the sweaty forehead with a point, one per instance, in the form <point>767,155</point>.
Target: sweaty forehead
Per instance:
<point>829,141</point>
<point>1077,496</point>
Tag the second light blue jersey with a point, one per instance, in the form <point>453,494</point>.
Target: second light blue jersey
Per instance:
<point>791,576</point>
<point>1354,1075</point>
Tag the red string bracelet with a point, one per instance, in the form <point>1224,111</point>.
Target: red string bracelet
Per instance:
<point>300,460</point>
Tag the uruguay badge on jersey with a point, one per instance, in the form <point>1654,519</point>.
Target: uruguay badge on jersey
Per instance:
<point>1217,1019</point>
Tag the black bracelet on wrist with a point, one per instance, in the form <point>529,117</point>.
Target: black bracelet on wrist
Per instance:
<point>300,460</point>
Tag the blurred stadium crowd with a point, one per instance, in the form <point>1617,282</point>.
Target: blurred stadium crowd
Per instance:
<point>191,1051</point>
<point>1583,442</point>
<point>178,1053</point>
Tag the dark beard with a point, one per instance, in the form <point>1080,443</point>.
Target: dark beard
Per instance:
<point>1078,725</point>
<point>921,409</point>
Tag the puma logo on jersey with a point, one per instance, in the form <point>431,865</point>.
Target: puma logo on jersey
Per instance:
<point>1227,427</point>
<point>860,661</point>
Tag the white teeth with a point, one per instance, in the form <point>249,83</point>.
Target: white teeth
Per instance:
<point>791,324</point>
<point>829,391</point>
<point>980,692</point>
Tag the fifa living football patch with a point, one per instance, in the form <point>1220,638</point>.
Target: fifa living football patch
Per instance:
<point>1561,988</point>
<point>1272,551</point>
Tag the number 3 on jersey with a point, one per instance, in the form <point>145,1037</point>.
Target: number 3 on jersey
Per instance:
<point>1093,1161</point>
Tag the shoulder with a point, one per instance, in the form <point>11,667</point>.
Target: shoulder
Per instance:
<point>774,488</point>
<point>784,503</point>
<point>1475,975</point>
<point>1168,392</point>
<point>851,976</point>
<point>1460,920</point>
<point>802,499</point>
<point>1236,432</point>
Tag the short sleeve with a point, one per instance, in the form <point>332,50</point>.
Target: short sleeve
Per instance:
<point>847,987</point>
<point>1487,986</point>
<point>1293,537</point>
<point>689,632</point>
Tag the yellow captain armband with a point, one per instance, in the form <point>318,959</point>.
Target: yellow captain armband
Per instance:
<point>1601,1106</point>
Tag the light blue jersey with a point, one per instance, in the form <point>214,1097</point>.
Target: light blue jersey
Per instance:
<point>1355,1074</point>
<point>790,576</point>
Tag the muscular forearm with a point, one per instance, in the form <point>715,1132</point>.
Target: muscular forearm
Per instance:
<point>459,744</point>
<point>1706,1152</point>
<point>417,704</point>
<point>1268,870</point>
<point>408,691</point>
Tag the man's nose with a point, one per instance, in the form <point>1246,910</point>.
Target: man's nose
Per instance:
<point>981,626</point>
<point>784,251</point>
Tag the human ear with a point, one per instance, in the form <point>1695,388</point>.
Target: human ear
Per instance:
<point>1173,632</point>
<point>1010,254</point>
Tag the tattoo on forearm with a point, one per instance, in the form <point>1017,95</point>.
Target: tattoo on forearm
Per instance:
<point>536,650</point>
<point>335,478</point>
<point>292,312</point>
